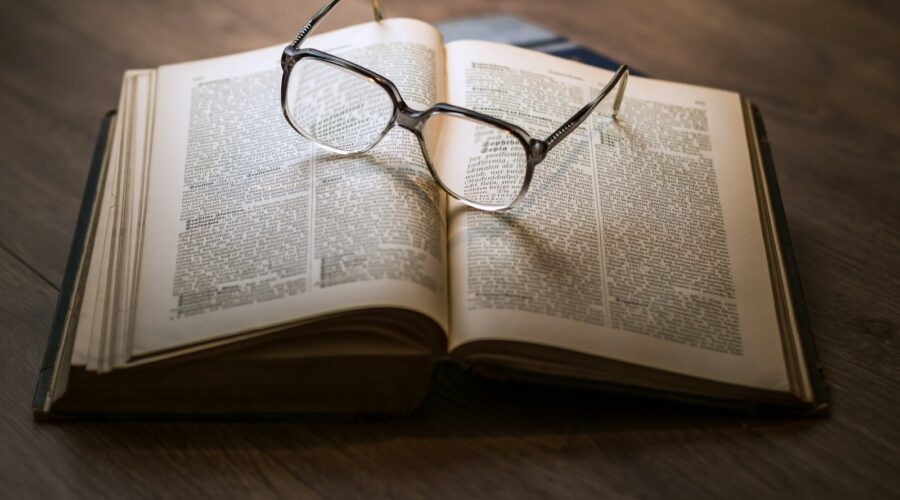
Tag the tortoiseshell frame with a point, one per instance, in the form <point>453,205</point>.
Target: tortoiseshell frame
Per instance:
<point>414,120</point>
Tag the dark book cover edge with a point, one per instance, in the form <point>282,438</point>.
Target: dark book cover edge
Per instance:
<point>67,291</point>
<point>804,326</point>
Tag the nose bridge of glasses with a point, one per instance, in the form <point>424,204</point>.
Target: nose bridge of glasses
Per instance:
<point>410,119</point>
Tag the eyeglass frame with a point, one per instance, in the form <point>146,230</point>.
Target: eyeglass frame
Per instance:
<point>536,150</point>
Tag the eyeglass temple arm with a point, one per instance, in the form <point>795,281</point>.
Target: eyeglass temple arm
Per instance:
<point>582,114</point>
<point>376,11</point>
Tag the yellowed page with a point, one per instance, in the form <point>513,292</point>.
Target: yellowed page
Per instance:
<point>97,284</point>
<point>639,240</point>
<point>87,338</point>
<point>249,224</point>
<point>117,228</point>
<point>129,207</point>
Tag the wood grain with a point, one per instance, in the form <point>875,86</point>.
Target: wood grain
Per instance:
<point>824,74</point>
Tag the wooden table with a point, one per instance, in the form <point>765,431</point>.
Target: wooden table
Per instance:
<point>825,74</point>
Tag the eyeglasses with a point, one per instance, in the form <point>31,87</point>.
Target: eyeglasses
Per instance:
<point>347,109</point>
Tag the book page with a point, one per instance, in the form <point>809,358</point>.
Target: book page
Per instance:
<point>639,240</point>
<point>249,224</point>
<point>111,268</point>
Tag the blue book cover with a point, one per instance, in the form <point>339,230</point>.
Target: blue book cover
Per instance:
<point>521,33</point>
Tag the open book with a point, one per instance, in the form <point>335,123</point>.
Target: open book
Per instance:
<point>228,265</point>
